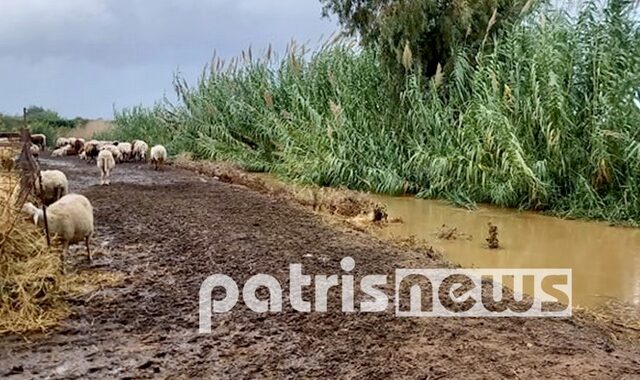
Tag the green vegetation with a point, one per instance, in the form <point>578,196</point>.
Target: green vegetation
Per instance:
<point>428,29</point>
<point>41,120</point>
<point>540,117</point>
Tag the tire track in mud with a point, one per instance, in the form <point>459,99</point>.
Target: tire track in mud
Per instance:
<point>169,230</point>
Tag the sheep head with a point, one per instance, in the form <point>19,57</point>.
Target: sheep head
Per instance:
<point>29,209</point>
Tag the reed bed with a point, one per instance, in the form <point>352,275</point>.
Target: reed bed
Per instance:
<point>543,118</point>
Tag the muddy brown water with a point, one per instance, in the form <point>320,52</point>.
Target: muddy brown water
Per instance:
<point>605,260</point>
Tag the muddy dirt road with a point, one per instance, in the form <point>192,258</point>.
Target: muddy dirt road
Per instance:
<point>168,231</point>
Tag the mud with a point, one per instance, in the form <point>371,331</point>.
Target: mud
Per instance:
<point>167,231</point>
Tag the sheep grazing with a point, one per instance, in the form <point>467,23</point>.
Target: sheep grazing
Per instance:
<point>117,156</point>
<point>91,150</point>
<point>35,150</point>
<point>54,186</point>
<point>139,150</point>
<point>61,152</point>
<point>70,219</point>
<point>39,140</point>
<point>125,151</point>
<point>78,146</point>
<point>61,141</point>
<point>100,144</point>
<point>158,156</point>
<point>106,163</point>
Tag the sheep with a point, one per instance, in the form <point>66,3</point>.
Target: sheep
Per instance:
<point>39,140</point>
<point>117,156</point>
<point>106,163</point>
<point>158,156</point>
<point>78,146</point>
<point>91,150</point>
<point>70,219</point>
<point>140,149</point>
<point>61,141</point>
<point>35,151</point>
<point>54,186</point>
<point>61,152</point>
<point>125,150</point>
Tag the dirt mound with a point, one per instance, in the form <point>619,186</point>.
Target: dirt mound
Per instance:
<point>91,128</point>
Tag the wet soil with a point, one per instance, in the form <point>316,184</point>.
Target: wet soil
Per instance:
<point>167,231</point>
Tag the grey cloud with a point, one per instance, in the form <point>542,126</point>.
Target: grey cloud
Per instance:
<point>81,56</point>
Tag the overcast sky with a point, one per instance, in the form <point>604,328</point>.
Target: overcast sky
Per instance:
<point>80,57</point>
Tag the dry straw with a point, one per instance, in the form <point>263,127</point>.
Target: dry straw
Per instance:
<point>33,289</point>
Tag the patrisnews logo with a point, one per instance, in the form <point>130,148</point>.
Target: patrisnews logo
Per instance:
<point>417,293</point>
<point>481,293</point>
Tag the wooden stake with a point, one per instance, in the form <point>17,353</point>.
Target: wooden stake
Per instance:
<point>44,207</point>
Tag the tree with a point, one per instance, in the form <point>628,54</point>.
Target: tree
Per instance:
<point>424,32</point>
<point>42,114</point>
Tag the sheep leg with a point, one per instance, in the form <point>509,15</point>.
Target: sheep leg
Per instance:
<point>101,176</point>
<point>86,242</point>
<point>108,173</point>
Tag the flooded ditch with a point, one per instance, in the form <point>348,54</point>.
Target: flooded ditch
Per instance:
<point>605,260</point>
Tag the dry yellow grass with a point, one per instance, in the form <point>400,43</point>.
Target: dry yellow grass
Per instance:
<point>90,129</point>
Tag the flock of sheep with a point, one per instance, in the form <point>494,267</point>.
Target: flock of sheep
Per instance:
<point>107,154</point>
<point>70,216</point>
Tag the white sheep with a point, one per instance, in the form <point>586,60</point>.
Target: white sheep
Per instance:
<point>61,152</point>
<point>117,156</point>
<point>140,149</point>
<point>70,219</point>
<point>106,163</point>
<point>61,141</point>
<point>35,150</point>
<point>102,143</point>
<point>54,186</point>
<point>125,150</point>
<point>158,156</point>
